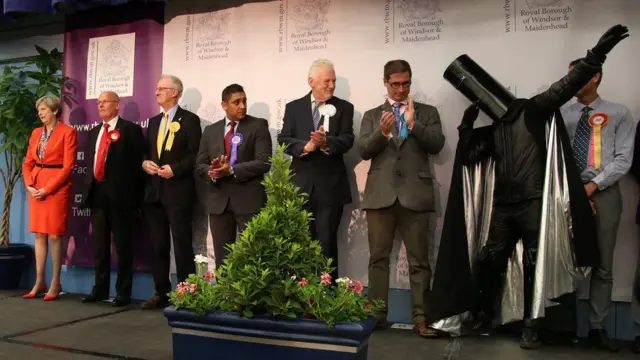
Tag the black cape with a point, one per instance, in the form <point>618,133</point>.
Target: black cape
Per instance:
<point>454,289</point>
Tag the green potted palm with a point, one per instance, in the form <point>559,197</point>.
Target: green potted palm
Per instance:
<point>20,87</point>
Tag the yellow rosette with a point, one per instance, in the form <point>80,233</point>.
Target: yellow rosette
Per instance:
<point>173,129</point>
<point>597,121</point>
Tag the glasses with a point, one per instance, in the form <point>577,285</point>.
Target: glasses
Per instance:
<point>396,85</point>
<point>164,88</point>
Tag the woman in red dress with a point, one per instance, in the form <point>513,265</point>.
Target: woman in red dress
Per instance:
<point>47,170</point>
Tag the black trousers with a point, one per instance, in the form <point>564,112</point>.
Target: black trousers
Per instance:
<point>106,220</point>
<point>224,228</point>
<point>324,227</point>
<point>164,223</point>
<point>509,224</point>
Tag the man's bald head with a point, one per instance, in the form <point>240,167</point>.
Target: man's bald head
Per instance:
<point>108,105</point>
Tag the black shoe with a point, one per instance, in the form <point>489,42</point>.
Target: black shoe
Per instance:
<point>529,339</point>
<point>121,301</point>
<point>156,302</point>
<point>95,296</point>
<point>600,338</point>
<point>635,346</point>
<point>382,324</point>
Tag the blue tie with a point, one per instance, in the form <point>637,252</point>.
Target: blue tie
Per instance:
<point>400,123</point>
<point>316,114</point>
<point>582,140</point>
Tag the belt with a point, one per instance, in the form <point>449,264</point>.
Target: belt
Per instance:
<point>49,166</point>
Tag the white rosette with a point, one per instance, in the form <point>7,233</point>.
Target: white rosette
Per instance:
<point>327,111</point>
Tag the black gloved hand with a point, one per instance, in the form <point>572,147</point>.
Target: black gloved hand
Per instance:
<point>610,39</point>
<point>471,114</point>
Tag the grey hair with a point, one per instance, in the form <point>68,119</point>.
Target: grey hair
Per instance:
<point>50,101</point>
<point>176,82</point>
<point>318,64</point>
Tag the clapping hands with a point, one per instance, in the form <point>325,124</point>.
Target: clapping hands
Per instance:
<point>219,168</point>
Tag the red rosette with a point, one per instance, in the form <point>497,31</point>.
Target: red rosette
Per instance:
<point>114,135</point>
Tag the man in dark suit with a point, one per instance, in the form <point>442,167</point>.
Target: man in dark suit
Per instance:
<point>318,155</point>
<point>171,148</point>
<point>233,158</point>
<point>398,137</point>
<point>112,189</point>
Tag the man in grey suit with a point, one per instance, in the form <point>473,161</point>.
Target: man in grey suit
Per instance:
<point>233,159</point>
<point>398,137</point>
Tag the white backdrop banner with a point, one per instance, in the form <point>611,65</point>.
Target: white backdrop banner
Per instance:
<point>267,47</point>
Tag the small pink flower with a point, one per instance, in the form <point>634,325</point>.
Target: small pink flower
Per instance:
<point>367,307</point>
<point>303,282</point>
<point>193,288</point>
<point>183,287</point>
<point>325,279</point>
<point>209,276</point>
<point>357,287</point>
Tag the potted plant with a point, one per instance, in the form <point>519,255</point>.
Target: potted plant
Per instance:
<point>20,88</point>
<point>273,297</point>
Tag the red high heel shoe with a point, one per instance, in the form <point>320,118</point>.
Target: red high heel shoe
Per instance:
<point>52,297</point>
<point>31,295</point>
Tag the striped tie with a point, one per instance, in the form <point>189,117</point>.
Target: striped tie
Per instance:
<point>316,114</point>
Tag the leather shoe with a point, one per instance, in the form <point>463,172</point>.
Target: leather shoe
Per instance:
<point>121,301</point>
<point>600,338</point>
<point>156,302</point>
<point>95,297</point>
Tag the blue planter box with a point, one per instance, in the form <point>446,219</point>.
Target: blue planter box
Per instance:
<point>221,335</point>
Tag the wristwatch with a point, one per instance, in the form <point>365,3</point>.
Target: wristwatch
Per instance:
<point>231,171</point>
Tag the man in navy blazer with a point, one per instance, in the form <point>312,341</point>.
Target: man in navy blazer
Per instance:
<point>172,144</point>
<point>317,148</point>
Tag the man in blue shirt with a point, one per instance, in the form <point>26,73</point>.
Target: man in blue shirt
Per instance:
<point>602,134</point>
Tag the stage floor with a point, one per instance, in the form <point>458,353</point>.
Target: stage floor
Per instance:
<point>67,329</point>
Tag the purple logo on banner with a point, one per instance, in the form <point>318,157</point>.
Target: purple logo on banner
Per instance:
<point>127,59</point>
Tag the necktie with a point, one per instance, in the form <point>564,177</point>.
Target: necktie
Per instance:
<point>582,140</point>
<point>163,127</point>
<point>316,114</point>
<point>102,153</point>
<point>401,125</point>
<point>227,139</point>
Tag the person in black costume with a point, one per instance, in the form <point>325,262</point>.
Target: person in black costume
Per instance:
<point>517,143</point>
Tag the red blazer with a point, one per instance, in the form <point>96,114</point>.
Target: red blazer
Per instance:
<point>61,150</point>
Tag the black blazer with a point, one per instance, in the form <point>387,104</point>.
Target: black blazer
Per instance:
<point>123,170</point>
<point>179,191</point>
<point>318,172</point>
<point>244,189</point>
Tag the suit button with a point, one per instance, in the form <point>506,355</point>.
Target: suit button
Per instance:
<point>399,173</point>
<point>399,157</point>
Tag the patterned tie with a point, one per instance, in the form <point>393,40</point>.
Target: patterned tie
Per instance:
<point>582,140</point>
<point>102,154</point>
<point>400,123</point>
<point>163,127</point>
<point>227,139</point>
<point>316,114</point>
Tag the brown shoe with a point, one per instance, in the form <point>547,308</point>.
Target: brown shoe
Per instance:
<point>424,330</point>
<point>156,302</point>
